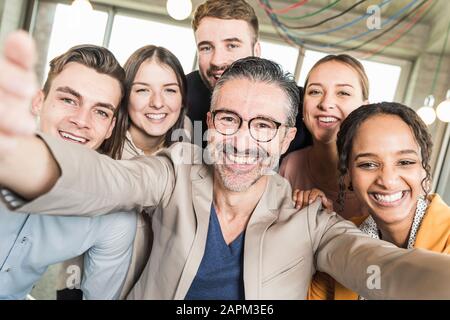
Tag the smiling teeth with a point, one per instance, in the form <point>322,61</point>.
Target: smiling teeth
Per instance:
<point>327,119</point>
<point>242,160</point>
<point>154,116</point>
<point>388,198</point>
<point>71,137</point>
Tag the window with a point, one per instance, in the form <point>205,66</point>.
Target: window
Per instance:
<point>442,175</point>
<point>283,54</point>
<point>383,78</point>
<point>311,57</point>
<point>130,33</point>
<point>69,29</point>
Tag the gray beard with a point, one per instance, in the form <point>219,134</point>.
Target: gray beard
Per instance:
<point>213,156</point>
<point>230,185</point>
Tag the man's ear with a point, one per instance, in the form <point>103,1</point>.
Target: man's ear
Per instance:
<point>257,49</point>
<point>208,135</point>
<point>209,120</point>
<point>37,103</point>
<point>290,135</point>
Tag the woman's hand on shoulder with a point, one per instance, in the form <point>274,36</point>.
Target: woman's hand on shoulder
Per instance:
<point>303,198</point>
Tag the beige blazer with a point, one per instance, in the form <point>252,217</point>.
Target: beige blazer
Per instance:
<point>141,246</point>
<point>144,237</point>
<point>283,247</point>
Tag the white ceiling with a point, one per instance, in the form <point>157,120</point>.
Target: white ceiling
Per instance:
<point>429,36</point>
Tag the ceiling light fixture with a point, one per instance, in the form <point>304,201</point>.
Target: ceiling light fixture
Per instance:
<point>179,9</point>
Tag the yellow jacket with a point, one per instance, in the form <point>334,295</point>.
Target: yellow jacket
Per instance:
<point>433,234</point>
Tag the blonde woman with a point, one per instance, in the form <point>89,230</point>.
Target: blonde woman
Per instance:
<point>335,86</point>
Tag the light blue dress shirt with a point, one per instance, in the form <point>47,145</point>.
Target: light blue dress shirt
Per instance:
<point>31,243</point>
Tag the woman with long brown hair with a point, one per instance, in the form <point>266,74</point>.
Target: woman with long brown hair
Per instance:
<point>151,117</point>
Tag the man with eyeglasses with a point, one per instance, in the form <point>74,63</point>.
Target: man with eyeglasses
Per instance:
<point>227,230</point>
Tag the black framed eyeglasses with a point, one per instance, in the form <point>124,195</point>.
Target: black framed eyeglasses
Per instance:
<point>261,129</point>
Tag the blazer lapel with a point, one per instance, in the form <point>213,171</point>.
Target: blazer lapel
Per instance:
<point>264,215</point>
<point>202,188</point>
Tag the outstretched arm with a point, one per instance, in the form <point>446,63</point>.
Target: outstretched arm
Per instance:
<point>62,178</point>
<point>26,165</point>
<point>373,268</point>
<point>94,184</point>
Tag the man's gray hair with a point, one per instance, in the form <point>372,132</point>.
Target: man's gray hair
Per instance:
<point>267,71</point>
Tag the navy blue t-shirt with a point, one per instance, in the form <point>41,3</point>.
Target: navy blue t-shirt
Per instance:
<point>220,275</point>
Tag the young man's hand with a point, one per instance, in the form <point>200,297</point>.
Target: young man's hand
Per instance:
<point>18,85</point>
<point>26,165</point>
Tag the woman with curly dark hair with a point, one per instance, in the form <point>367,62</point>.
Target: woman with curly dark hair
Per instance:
<point>384,157</point>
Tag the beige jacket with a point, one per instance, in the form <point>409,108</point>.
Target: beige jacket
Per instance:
<point>144,236</point>
<point>141,246</point>
<point>283,247</point>
<point>143,240</point>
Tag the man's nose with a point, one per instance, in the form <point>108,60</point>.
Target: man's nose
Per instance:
<point>81,118</point>
<point>242,139</point>
<point>219,58</point>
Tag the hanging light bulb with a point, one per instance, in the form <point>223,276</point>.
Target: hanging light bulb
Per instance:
<point>427,113</point>
<point>443,109</point>
<point>82,5</point>
<point>179,9</point>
